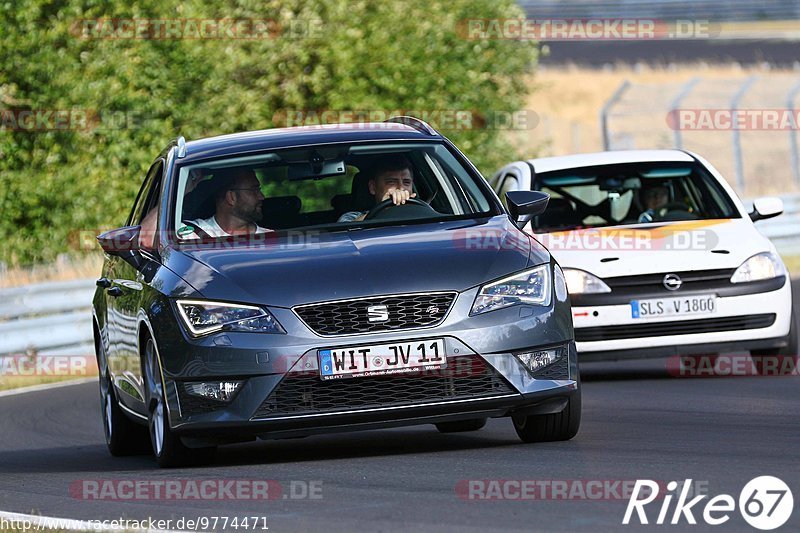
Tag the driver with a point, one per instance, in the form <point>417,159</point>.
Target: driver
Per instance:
<point>391,177</point>
<point>653,197</point>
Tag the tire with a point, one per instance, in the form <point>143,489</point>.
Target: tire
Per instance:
<point>461,425</point>
<point>552,427</point>
<point>787,356</point>
<point>166,445</point>
<point>124,437</point>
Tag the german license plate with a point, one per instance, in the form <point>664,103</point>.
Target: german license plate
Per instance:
<point>382,359</point>
<point>704,304</point>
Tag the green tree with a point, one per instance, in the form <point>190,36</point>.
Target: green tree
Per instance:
<point>322,55</point>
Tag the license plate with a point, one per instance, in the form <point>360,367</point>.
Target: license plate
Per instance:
<point>705,304</point>
<point>382,359</point>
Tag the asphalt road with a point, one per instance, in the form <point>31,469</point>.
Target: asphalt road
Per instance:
<point>639,422</point>
<point>779,53</point>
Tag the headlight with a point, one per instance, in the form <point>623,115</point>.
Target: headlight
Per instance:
<point>761,266</point>
<point>528,287</point>
<point>204,317</point>
<point>580,282</point>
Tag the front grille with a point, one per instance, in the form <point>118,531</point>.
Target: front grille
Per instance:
<point>697,279</point>
<point>463,378</point>
<point>352,316</point>
<point>192,404</point>
<point>683,327</point>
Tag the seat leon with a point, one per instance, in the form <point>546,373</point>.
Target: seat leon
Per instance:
<point>292,282</point>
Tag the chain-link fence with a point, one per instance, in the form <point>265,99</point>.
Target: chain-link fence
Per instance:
<point>747,128</point>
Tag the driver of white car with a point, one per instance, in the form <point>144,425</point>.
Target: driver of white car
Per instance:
<point>389,178</point>
<point>653,198</point>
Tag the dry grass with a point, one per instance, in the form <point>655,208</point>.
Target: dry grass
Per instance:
<point>65,268</point>
<point>569,100</point>
<point>792,263</point>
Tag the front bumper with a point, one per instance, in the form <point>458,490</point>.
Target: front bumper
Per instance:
<point>741,322</point>
<point>267,362</point>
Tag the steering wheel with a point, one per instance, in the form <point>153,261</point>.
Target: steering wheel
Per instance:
<point>379,210</point>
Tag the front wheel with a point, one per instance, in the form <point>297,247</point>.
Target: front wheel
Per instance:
<point>551,427</point>
<point>123,436</point>
<point>167,446</point>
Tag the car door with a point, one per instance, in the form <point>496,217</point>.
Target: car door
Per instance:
<point>130,284</point>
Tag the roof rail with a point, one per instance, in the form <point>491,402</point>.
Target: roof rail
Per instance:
<point>181,147</point>
<point>417,124</point>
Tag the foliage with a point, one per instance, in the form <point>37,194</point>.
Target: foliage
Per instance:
<point>139,93</point>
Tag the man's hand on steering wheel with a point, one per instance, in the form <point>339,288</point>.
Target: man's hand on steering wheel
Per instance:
<point>398,196</point>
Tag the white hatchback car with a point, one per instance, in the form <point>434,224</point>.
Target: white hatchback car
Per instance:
<point>661,257</point>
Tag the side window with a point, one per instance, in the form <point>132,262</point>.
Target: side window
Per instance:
<point>508,183</point>
<point>145,212</point>
<point>148,194</point>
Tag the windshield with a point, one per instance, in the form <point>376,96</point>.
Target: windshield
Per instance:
<point>331,186</point>
<point>633,193</point>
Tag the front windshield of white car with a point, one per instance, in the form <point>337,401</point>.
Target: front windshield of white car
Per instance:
<point>633,193</point>
<point>327,186</point>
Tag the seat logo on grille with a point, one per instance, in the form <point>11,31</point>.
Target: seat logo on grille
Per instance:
<point>672,282</point>
<point>378,313</point>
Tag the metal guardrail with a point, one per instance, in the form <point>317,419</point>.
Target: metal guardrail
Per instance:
<point>50,318</point>
<point>56,318</point>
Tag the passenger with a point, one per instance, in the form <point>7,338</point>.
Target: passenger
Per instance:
<point>238,206</point>
<point>390,177</point>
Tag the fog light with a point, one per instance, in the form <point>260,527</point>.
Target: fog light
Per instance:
<point>222,391</point>
<point>535,361</point>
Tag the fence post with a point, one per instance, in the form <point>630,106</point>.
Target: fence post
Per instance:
<point>606,108</point>
<point>793,135</point>
<point>737,144</point>
<point>675,105</point>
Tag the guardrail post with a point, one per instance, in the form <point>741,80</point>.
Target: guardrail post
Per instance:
<point>793,135</point>
<point>675,105</point>
<point>606,108</point>
<point>737,144</point>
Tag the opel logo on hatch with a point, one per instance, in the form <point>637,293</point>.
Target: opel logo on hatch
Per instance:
<point>672,282</point>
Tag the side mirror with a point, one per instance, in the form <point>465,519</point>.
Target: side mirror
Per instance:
<point>524,205</point>
<point>122,242</point>
<point>766,207</point>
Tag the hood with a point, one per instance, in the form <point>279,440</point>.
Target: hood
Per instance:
<point>655,248</point>
<point>298,268</point>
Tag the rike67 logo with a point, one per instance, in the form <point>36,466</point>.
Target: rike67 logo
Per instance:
<point>765,503</point>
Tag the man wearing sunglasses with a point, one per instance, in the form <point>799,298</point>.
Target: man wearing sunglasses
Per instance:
<point>238,206</point>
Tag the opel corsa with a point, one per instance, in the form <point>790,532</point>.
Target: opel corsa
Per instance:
<point>661,257</point>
